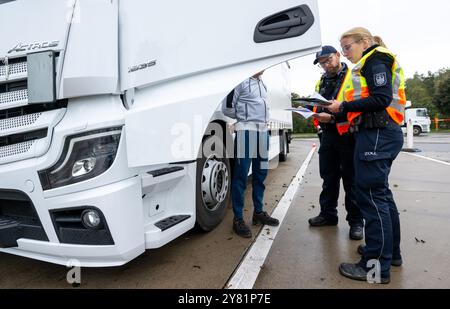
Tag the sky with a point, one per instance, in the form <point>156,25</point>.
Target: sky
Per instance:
<point>418,32</point>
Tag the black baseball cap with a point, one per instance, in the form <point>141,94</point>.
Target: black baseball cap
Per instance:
<point>326,51</point>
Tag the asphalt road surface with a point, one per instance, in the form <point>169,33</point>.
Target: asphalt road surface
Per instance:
<point>300,257</point>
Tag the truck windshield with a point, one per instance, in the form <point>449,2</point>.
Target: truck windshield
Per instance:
<point>422,113</point>
<point>5,1</point>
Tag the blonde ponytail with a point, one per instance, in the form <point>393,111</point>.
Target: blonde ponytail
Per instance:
<point>378,40</point>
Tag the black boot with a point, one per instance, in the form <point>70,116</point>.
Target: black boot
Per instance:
<point>321,221</point>
<point>264,219</point>
<point>240,228</point>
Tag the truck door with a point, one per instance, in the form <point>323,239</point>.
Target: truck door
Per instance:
<point>182,57</point>
<point>185,37</point>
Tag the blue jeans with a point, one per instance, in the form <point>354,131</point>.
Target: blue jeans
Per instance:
<point>374,154</point>
<point>251,148</point>
<point>336,161</point>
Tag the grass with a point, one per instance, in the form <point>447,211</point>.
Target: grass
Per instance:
<point>304,135</point>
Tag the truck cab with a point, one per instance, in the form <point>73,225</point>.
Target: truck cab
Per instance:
<point>106,107</point>
<point>420,120</point>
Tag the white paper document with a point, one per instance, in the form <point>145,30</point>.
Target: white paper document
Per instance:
<point>304,112</point>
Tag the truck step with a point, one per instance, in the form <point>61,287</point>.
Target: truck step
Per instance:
<point>170,222</point>
<point>169,176</point>
<point>166,171</point>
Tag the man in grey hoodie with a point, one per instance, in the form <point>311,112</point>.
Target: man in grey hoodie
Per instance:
<point>247,103</point>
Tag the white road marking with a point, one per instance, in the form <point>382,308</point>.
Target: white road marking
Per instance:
<point>248,271</point>
<point>426,158</point>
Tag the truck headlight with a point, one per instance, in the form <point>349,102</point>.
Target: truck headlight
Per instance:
<point>84,156</point>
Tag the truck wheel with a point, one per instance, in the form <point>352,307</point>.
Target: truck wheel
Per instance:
<point>284,146</point>
<point>213,184</point>
<point>417,130</point>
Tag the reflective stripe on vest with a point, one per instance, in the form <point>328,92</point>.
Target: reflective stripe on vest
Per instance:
<point>356,88</point>
<point>342,127</point>
<point>315,120</point>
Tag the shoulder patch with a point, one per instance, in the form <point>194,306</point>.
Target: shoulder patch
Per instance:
<point>380,79</point>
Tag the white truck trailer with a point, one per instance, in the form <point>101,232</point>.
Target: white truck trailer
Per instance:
<point>105,106</point>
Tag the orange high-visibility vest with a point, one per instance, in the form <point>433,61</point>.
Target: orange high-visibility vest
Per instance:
<point>342,127</point>
<point>356,87</point>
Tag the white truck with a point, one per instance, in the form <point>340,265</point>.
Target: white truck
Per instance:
<point>420,120</point>
<point>106,107</point>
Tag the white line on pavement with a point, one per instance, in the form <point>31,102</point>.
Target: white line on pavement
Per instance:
<point>426,158</point>
<point>248,271</point>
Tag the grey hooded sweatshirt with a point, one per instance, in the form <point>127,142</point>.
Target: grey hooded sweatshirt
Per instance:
<point>248,105</point>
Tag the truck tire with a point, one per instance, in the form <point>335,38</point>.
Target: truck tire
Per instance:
<point>213,185</point>
<point>284,146</point>
<point>417,130</point>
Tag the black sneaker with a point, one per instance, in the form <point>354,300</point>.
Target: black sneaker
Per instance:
<point>264,219</point>
<point>321,221</point>
<point>356,272</point>
<point>240,228</point>
<point>395,262</point>
<point>356,232</point>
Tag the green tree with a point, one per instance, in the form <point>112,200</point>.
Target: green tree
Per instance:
<point>294,96</point>
<point>441,97</point>
<point>429,82</point>
<point>420,93</point>
<point>301,125</point>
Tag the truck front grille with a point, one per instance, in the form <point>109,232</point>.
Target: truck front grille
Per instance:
<point>14,97</point>
<point>24,128</point>
<point>21,121</point>
<point>16,149</point>
<point>13,93</point>
<point>14,139</point>
<point>14,68</point>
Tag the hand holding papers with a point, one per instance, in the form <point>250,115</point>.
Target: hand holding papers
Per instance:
<point>313,100</point>
<point>335,106</point>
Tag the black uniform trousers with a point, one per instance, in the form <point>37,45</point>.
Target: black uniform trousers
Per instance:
<point>336,161</point>
<point>375,151</point>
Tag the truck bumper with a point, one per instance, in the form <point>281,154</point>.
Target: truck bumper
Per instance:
<point>121,205</point>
